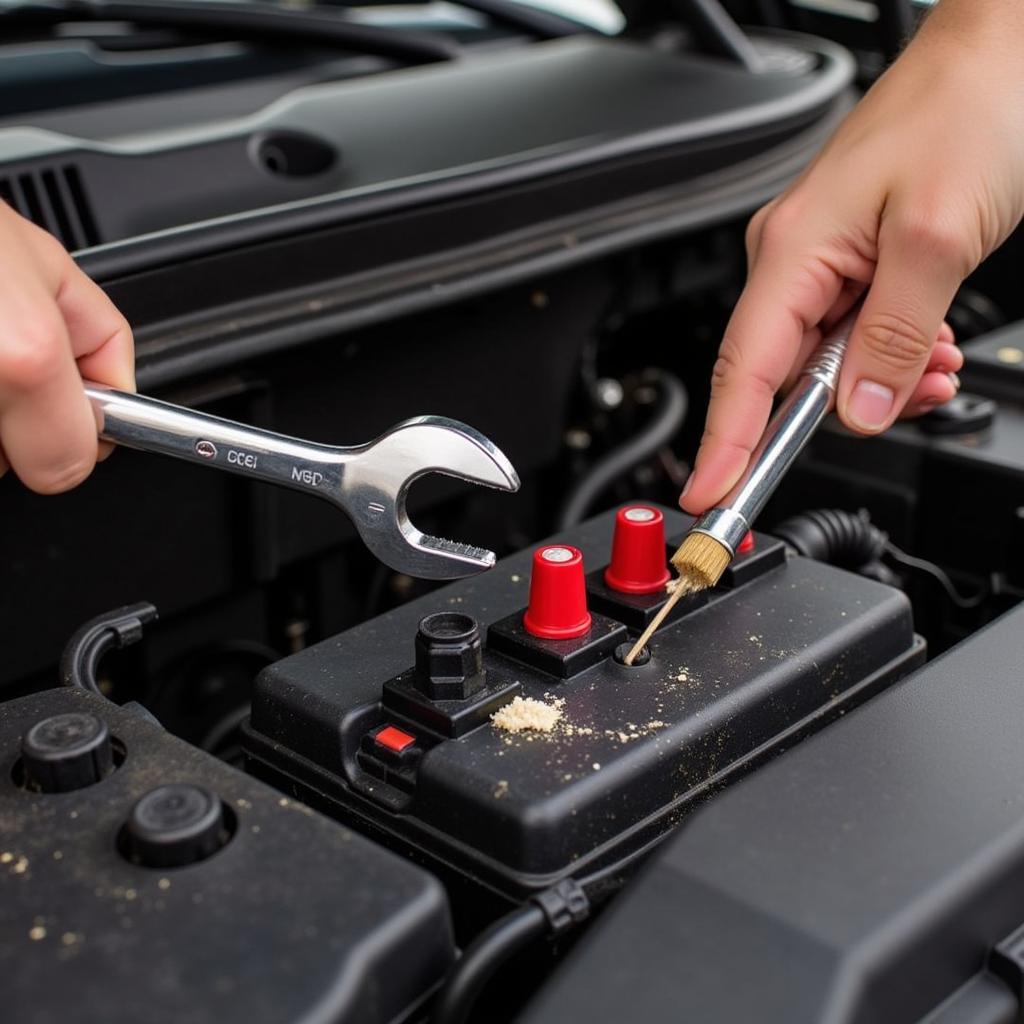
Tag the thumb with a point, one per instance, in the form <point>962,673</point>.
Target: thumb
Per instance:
<point>916,278</point>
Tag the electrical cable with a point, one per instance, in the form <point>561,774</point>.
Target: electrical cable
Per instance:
<point>551,912</point>
<point>668,418</point>
<point>482,958</point>
<point>222,729</point>
<point>110,631</point>
<point>851,541</point>
<point>938,574</point>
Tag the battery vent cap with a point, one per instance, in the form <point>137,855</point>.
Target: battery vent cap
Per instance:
<point>638,563</point>
<point>558,594</point>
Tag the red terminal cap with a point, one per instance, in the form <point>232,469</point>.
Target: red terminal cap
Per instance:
<point>558,594</point>
<point>393,738</point>
<point>747,544</point>
<point>638,563</point>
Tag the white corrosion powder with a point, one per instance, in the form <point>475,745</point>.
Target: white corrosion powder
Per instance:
<point>524,714</point>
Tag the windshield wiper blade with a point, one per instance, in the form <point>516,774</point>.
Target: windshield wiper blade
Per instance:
<point>242,20</point>
<point>543,24</point>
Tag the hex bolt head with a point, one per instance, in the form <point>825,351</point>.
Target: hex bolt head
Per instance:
<point>174,825</point>
<point>449,656</point>
<point>66,752</point>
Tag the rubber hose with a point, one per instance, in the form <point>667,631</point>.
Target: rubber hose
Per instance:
<point>669,416</point>
<point>845,539</point>
<point>482,957</point>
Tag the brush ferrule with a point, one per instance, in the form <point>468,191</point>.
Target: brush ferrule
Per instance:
<point>726,525</point>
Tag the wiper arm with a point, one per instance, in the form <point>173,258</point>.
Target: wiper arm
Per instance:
<point>246,20</point>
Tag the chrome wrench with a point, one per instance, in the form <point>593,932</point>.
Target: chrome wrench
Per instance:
<point>369,482</point>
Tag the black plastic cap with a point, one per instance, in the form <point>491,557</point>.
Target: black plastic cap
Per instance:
<point>643,656</point>
<point>449,656</point>
<point>175,825</point>
<point>66,752</point>
<point>962,414</point>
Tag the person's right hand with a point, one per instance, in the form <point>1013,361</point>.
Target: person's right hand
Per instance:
<point>919,184</point>
<point>57,327</point>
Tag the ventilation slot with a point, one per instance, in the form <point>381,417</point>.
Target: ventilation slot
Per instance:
<point>55,199</point>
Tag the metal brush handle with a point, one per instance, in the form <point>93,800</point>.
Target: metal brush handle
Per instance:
<point>812,398</point>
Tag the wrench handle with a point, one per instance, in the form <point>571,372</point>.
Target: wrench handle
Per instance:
<point>150,425</point>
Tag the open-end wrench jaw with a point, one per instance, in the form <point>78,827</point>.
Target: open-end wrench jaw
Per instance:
<point>377,477</point>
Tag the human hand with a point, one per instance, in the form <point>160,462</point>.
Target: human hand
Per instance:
<point>921,182</point>
<point>58,327</point>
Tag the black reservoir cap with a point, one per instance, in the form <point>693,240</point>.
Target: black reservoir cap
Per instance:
<point>66,752</point>
<point>175,825</point>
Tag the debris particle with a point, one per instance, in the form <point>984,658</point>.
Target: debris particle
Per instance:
<point>524,714</point>
<point>57,855</point>
<point>501,789</point>
<point>20,866</point>
<point>69,938</point>
<point>577,730</point>
<point>164,883</point>
<point>6,857</point>
<point>516,577</point>
<point>36,933</point>
<point>596,767</point>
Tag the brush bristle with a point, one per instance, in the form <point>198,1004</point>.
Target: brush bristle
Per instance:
<point>701,560</point>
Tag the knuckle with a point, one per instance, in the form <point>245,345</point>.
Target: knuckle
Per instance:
<point>754,228</point>
<point>46,245</point>
<point>725,368</point>
<point>931,233</point>
<point>30,355</point>
<point>940,236</point>
<point>732,369</point>
<point>895,342</point>
<point>780,223</point>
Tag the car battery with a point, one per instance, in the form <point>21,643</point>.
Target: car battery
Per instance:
<point>492,730</point>
<point>142,879</point>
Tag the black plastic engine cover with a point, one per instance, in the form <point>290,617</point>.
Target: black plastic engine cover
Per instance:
<point>760,664</point>
<point>873,875</point>
<point>284,917</point>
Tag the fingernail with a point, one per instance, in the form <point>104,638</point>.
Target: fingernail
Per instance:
<point>686,486</point>
<point>954,380</point>
<point>870,405</point>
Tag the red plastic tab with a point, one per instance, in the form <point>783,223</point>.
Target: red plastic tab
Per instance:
<point>392,738</point>
<point>558,594</point>
<point>747,544</point>
<point>638,565</point>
